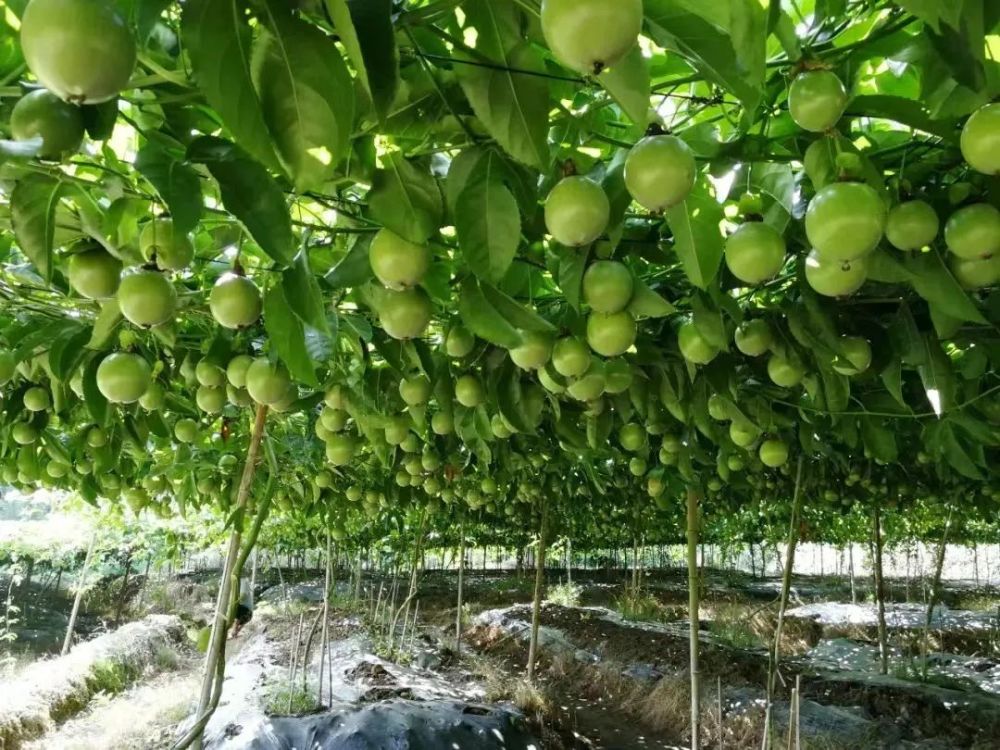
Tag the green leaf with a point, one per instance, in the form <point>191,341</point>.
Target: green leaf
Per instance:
<point>480,317</point>
<point>96,404</point>
<point>99,119</point>
<point>698,239</point>
<point>933,12</point>
<point>33,219</point>
<point>513,106</point>
<point>176,182</point>
<point>937,376</point>
<point>354,269</point>
<point>934,282</point>
<point>250,194</point>
<point>306,95</point>
<point>572,264</point>
<point>646,303</point>
<point>365,29</point>
<point>105,325</point>
<point>287,336</point>
<point>406,199</point>
<point>904,111</point>
<point>519,316</point>
<point>879,439</point>
<point>628,83</point>
<point>487,222</point>
<point>302,293</point>
<point>217,37</point>
<point>892,379</point>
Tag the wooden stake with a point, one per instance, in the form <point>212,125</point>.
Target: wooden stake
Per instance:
<point>81,586</point>
<point>536,603</point>
<point>694,593</point>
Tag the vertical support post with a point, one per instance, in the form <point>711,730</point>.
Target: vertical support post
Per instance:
<point>81,586</point>
<point>693,608</point>
<point>536,604</point>
<point>883,651</point>
<point>461,582</point>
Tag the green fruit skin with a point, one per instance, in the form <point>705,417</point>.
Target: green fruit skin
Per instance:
<point>753,338</point>
<point>773,453</point>
<point>186,430</point>
<point>570,357</point>
<point>845,221</point>
<point>37,399</point>
<point>659,172</point>
<point>816,100</point>
<point>833,279</point>
<point>617,376</point>
<point>442,423</point>
<point>469,391</point>
<point>94,273</point>
<point>783,372</point>
<point>607,286</point>
<point>236,370</point>
<point>415,391</point>
<point>405,314</point>
<point>590,385</point>
<point>42,114</point>
<point>340,450</point>
<point>911,225</point>
<point>209,374</point>
<point>981,139</point>
<point>209,399</point>
<point>742,435</point>
<point>82,50</point>
<point>460,342</point>
<point>534,351</point>
<point>694,348</point>
<point>235,301</point>
<point>161,243</point>
<point>973,231</point>
<point>397,262</point>
<point>977,273</point>
<point>611,335</point>
<point>267,382</point>
<point>146,298</point>
<point>123,378</point>
<point>153,398</point>
<point>755,252</point>
<point>858,354</point>
<point>576,211</point>
<point>590,35</point>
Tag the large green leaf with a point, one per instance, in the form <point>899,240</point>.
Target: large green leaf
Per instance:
<point>406,199</point>
<point>287,336</point>
<point>365,29</point>
<point>487,222</point>
<point>698,239</point>
<point>306,95</point>
<point>904,111</point>
<point>250,194</point>
<point>519,316</point>
<point>353,269</point>
<point>934,282</point>
<point>937,376</point>
<point>628,83</point>
<point>176,182</point>
<point>218,39</point>
<point>513,106</point>
<point>303,295</point>
<point>647,303</point>
<point>483,319</point>
<point>33,218</point>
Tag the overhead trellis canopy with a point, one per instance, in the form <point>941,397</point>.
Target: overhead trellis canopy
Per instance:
<point>468,256</point>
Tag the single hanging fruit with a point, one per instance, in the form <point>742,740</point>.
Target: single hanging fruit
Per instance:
<point>845,221</point>
<point>94,273</point>
<point>816,100</point>
<point>755,252</point>
<point>590,35</point>
<point>235,301</point>
<point>973,231</point>
<point>405,314</point>
<point>659,172</point>
<point>146,298</point>
<point>123,378</point>
<point>835,278</point>
<point>397,262</point>
<point>981,139</point>
<point>576,211</point>
<point>44,115</point>
<point>911,225</point>
<point>607,286</point>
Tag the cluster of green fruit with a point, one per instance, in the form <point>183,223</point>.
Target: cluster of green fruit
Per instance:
<point>404,309</point>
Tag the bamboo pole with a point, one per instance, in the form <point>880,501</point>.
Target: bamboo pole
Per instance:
<point>324,637</point>
<point>883,650</point>
<point>935,593</point>
<point>78,598</point>
<point>774,655</point>
<point>694,593</point>
<point>536,603</point>
<point>461,581</point>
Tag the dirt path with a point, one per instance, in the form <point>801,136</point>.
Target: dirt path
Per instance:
<point>142,717</point>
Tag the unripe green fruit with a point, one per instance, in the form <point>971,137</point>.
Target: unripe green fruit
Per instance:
<point>96,437</point>
<point>845,221</point>
<point>773,453</point>
<point>499,428</point>
<point>973,232</point>
<point>335,398</point>
<point>23,433</point>
<point>340,449</point>
<point>236,370</point>
<point>94,273</point>
<point>659,172</point>
<point>37,398</point>
<point>755,252</point>
<point>267,383</point>
<point>405,314</point>
<point>570,357</point>
<point>576,211</point>
<point>590,385</point>
<point>856,354</point>
<point>162,244</point>
<point>415,390</point>
<point>816,100</point>
<point>611,335</point>
<point>154,397</point>
<point>694,347</point>
<point>469,391</point>
<point>210,400</point>
<point>637,466</point>
<point>617,376</point>
<point>976,273</point>
<point>632,437</point>
<point>911,225</point>
<point>397,262</point>
<point>186,430</point>
<point>235,301</point>
<point>590,35</point>
<point>981,139</point>
<point>122,378</point>
<point>442,423</point>
<point>146,298</point>
<point>210,374</point>
<point>459,342</point>
<point>742,433</point>
<point>82,50</point>
<point>397,431</point>
<point>333,420</point>
<point>42,114</point>
<point>534,351</point>
<point>784,372</point>
<point>835,278</point>
<point>607,286</point>
<point>753,337</point>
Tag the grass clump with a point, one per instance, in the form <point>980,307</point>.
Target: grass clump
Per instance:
<point>565,595</point>
<point>639,604</point>
<point>295,700</point>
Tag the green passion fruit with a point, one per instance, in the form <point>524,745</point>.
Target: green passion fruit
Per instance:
<point>123,377</point>
<point>210,400</point>
<point>210,374</point>
<point>534,351</point>
<point>82,50</point>
<point>617,376</point>
<point>94,273</point>
<point>236,370</point>
<point>235,301</point>
<point>238,396</point>
<point>742,433</point>
<point>590,385</point>
<point>816,100</point>
<point>186,430</point>
<point>405,314</point>
<point>835,278</point>
<point>267,382</point>
<point>753,337</point>
<point>397,262</point>
<point>632,437</point>
<point>154,398</point>
<point>570,357</point>
<point>784,372</point>
<point>42,114</point>
<point>773,453</point>
<point>973,231</point>
<point>755,252</point>
<point>443,423</point>
<point>146,298</point>
<point>414,390</point>
<point>659,172</point>
<point>459,342</point>
<point>980,141</point>
<point>340,449</point>
<point>694,347</point>
<point>576,211</point>
<point>607,286</point>
<point>590,35</point>
<point>611,335</point>
<point>855,356</point>
<point>845,221</point>
<point>911,225</point>
<point>976,273</point>
<point>469,391</point>
<point>36,398</point>
<point>162,244</point>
